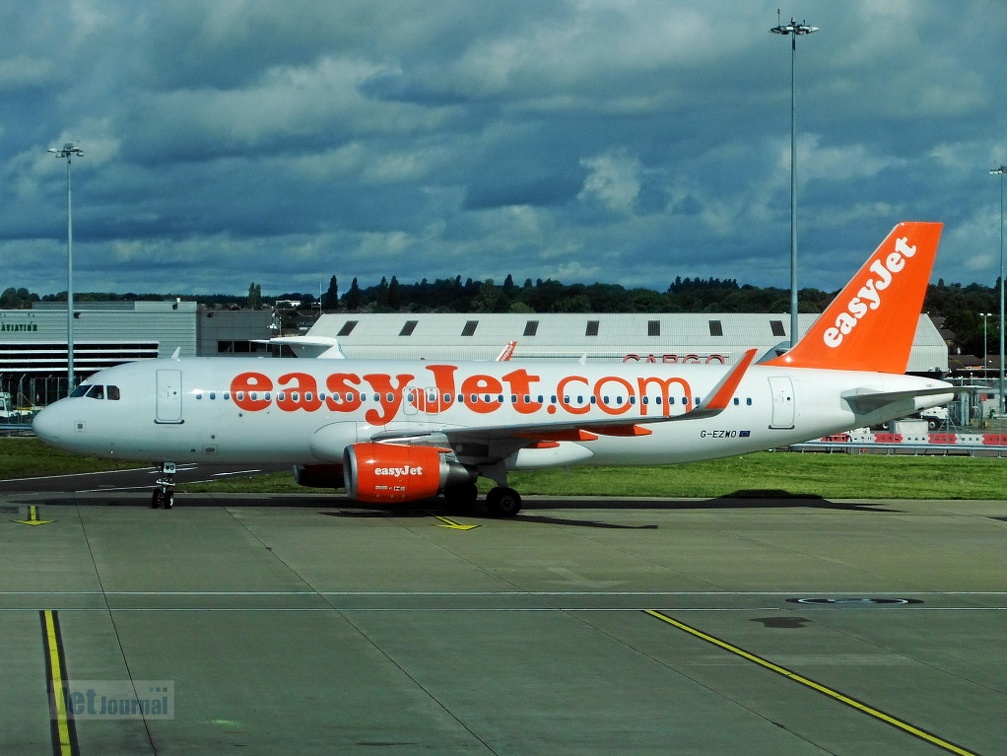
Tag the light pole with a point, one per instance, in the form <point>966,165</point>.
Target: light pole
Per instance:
<point>984,316</point>
<point>1000,170</point>
<point>68,151</point>
<point>793,29</point>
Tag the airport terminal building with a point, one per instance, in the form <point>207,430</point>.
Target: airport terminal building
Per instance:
<point>33,354</point>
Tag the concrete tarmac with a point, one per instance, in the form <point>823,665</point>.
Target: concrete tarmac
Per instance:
<point>300,625</point>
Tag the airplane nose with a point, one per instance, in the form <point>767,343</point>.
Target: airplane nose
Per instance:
<point>47,425</point>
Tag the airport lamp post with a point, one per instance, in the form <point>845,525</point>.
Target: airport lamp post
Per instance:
<point>793,29</point>
<point>984,316</point>
<point>1000,170</point>
<point>68,151</point>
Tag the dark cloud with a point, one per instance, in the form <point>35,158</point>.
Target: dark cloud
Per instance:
<point>628,143</point>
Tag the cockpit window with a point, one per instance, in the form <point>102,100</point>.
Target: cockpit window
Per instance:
<point>96,391</point>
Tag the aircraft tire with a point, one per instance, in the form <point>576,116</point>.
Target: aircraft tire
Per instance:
<point>155,500</point>
<point>503,502</point>
<point>169,500</point>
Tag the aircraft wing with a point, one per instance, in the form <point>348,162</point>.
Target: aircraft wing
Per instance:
<point>516,436</point>
<point>319,347</point>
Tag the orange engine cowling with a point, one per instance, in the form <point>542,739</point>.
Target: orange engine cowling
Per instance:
<point>380,473</point>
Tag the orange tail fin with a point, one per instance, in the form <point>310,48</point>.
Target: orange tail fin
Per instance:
<point>871,324</point>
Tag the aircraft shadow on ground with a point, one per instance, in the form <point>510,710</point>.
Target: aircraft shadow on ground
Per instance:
<point>746,499</point>
<point>524,516</point>
<point>338,506</point>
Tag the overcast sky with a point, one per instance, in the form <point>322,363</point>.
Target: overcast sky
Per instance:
<point>622,141</point>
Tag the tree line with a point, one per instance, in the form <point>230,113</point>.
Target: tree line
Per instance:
<point>960,306</point>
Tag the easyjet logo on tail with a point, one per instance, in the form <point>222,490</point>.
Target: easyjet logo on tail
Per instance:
<point>871,323</point>
<point>881,273</point>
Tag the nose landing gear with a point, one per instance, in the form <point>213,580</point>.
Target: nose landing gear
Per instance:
<point>164,493</point>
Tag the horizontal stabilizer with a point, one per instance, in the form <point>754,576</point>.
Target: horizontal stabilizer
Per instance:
<point>869,401</point>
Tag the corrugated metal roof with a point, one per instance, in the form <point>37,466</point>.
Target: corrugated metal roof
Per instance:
<point>665,337</point>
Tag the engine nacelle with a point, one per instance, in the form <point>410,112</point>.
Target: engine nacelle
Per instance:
<point>319,476</point>
<point>381,473</point>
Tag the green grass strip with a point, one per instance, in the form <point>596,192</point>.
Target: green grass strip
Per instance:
<point>830,476</point>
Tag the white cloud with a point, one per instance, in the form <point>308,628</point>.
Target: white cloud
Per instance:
<point>613,180</point>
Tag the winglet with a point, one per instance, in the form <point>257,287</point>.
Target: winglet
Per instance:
<point>871,324</point>
<point>723,392</point>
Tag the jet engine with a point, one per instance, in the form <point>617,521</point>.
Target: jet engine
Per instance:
<point>381,473</point>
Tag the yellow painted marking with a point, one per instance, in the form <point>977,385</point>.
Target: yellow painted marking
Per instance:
<point>33,517</point>
<point>833,694</point>
<point>58,691</point>
<point>454,525</point>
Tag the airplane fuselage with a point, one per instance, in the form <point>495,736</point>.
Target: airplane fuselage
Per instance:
<point>307,412</point>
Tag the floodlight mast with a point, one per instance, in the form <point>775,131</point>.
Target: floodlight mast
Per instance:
<point>1000,170</point>
<point>68,151</point>
<point>794,30</point>
<point>985,316</point>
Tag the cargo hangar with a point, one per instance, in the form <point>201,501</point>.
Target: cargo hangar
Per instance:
<point>33,353</point>
<point>650,337</point>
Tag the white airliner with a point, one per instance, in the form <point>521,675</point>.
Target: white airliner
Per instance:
<point>395,431</point>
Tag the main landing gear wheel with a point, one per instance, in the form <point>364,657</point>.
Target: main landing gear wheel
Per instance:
<point>503,502</point>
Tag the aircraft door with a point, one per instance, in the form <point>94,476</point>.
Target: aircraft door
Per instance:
<point>417,401</point>
<point>434,400</point>
<point>782,389</point>
<point>411,398</point>
<point>169,396</point>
